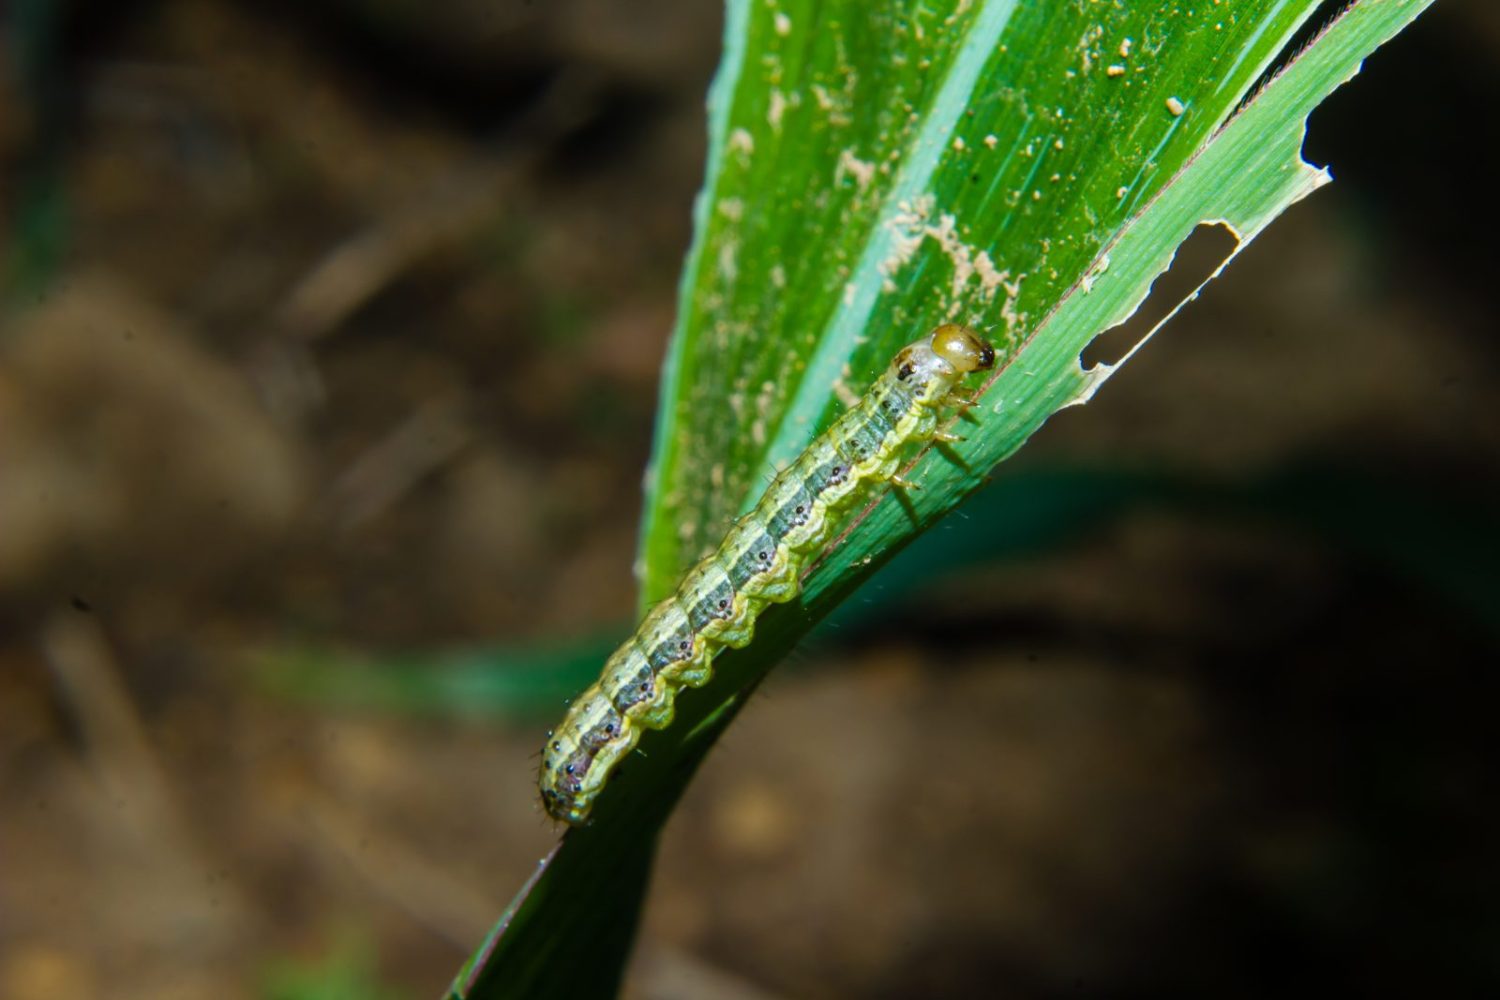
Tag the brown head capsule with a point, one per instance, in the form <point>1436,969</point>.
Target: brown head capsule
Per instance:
<point>962,348</point>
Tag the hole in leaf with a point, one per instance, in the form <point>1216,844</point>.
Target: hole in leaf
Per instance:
<point>1205,249</point>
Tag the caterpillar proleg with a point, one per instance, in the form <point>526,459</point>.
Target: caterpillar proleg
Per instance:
<point>759,563</point>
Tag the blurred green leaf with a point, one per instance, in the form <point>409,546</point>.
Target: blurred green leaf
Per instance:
<point>347,972</point>
<point>874,169</point>
<point>1443,543</point>
<point>530,680</point>
<point>34,194</point>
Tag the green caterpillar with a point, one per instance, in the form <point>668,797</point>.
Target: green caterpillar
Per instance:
<point>760,562</point>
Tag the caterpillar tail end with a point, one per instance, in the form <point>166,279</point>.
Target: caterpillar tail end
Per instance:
<point>579,756</point>
<point>572,812</point>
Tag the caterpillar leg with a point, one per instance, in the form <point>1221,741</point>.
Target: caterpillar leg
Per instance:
<point>944,437</point>
<point>904,484</point>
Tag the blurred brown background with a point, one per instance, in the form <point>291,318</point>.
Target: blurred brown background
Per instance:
<point>337,326</point>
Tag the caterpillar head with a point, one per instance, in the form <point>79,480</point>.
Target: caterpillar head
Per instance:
<point>949,352</point>
<point>962,348</point>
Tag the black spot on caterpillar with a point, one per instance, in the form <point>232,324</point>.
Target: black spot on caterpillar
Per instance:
<point>759,563</point>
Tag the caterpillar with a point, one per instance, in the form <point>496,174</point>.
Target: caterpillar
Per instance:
<point>759,563</point>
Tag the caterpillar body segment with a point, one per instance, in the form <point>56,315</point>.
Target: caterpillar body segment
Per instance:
<point>760,562</point>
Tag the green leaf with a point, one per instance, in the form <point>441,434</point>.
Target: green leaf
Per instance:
<point>347,971</point>
<point>1444,545</point>
<point>521,680</point>
<point>875,169</point>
